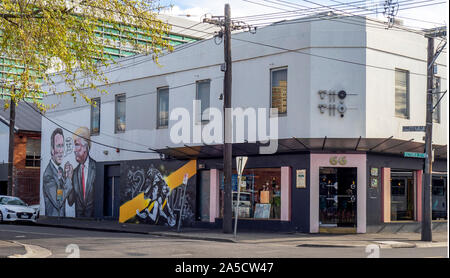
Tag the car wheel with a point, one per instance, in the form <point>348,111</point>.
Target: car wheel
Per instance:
<point>1,217</point>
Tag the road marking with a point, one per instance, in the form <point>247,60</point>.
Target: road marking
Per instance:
<point>20,236</point>
<point>33,251</point>
<point>181,255</point>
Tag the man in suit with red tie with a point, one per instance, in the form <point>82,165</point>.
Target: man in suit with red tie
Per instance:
<point>83,178</point>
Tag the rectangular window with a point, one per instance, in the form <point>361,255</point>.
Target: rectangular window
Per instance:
<point>439,198</point>
<point>279,90</point>
<point>163,108</point>
<point>203,95</point>
<point>120,114</point>
<point>95,116</point>
<point>402,93</point>
<point>436,96</point>
<point>260,193</point>
<point>402,196</point>
<point>33,153</point>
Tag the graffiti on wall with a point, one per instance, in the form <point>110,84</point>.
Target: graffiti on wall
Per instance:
<point>68,190</point>
<point>153,194</point>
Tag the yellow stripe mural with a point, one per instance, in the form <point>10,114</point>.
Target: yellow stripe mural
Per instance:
<point>175,179</point>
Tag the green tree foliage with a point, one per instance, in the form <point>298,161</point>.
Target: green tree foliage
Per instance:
<point>39,37</point>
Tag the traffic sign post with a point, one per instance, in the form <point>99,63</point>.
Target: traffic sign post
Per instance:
<point>240,165</point>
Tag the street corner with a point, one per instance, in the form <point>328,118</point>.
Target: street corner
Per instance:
<point>28,251</point>
<point>8,248</point>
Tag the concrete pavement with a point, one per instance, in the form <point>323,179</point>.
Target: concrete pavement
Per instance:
<point>8,248</point>
<point>383,240</point>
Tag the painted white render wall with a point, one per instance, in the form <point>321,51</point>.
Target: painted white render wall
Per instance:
<point>370,111</point>
<point>388,49</point>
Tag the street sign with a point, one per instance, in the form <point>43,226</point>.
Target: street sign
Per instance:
<point>414,129</point>
<point>415,155</point>
<point>240,163</point>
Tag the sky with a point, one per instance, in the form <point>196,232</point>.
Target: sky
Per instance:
<point>433,15</point>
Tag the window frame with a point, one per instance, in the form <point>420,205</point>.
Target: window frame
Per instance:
<point>408,97</point>
<point>158,93</point>
<point>272,70</point>
<point>98,102</point>
<point>35,159</point>
<point>115,113</point>
<point>197,98</point>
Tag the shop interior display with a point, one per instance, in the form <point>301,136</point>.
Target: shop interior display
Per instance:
<point>260,194</point>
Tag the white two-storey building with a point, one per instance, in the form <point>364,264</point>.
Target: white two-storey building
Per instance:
<point>344,88</point>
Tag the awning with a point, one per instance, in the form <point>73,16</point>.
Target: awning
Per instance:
<point>299,145</point>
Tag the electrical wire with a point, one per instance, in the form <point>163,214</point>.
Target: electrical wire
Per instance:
<point>87,139</point>
<point>326,17</point>
<point>284,15</point>
<point>133,96</point>
<point>305,11</point>
<point>320,56</point>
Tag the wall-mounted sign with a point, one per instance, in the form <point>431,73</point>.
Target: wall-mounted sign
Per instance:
<point>334,104</point>
<point>374,172</point>
<point>341,160</point>
<point>374,182</point>
<point>301,178</point>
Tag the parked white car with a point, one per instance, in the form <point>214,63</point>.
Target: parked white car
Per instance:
<point>14,209</point>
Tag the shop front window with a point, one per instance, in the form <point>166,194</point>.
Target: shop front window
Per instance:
<point>260,196</point>
<point>402,196</point>
<point>439,198</point>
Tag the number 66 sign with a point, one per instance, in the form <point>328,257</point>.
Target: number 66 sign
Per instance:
<point>334,160</point>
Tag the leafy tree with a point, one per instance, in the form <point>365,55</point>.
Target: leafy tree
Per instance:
<point>38,37</point>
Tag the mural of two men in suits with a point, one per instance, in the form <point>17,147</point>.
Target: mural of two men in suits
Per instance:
<point>74,185</point>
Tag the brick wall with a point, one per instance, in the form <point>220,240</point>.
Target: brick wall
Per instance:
<point>26,179</point>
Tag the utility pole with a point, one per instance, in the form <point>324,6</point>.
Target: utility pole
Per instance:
<point>12,124</point>
<point>227,25</point>
<point>228,148</point>
<point>426,233</point>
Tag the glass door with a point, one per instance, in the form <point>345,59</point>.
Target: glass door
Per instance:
<point>337,197</point>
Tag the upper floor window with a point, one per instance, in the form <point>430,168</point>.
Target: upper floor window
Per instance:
<point>33,153</point>
<point>279,90</point>
<point>120,113</point>
<point>436,97</point>
<point>402,93</point>
<point>95,116</point>
<point>203,95</point>
<point>163,108</point>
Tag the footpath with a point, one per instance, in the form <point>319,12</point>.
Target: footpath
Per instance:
<point>383,240</point>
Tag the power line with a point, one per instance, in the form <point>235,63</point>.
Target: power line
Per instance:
<point>306,11</point>
<point>365,8</point>
<point>284,15</point>
<point>87,139</point>
<point>326,17</point>
<point>133,96</point>
<point>320,56</point>
<point>144,60</point>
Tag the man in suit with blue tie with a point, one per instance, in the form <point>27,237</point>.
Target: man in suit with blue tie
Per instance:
<point>83,177</point>
<point>57,183</point>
